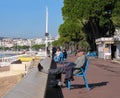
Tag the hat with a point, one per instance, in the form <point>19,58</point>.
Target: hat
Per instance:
<point>81,50</point>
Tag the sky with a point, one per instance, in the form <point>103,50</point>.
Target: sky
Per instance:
<point>27,18</point>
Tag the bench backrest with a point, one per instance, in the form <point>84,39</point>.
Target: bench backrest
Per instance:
<point>84,70</point>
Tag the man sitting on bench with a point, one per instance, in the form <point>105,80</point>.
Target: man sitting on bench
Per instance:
<point>69,69</point>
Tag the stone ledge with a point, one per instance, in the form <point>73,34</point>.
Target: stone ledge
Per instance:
<point>33,85</point>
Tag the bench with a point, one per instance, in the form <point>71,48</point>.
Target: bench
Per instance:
<point>33,85</point>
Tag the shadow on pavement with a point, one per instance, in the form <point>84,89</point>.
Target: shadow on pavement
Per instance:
<point>92,86</point>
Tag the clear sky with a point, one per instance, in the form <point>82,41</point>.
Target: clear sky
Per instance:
<point>26,18</point>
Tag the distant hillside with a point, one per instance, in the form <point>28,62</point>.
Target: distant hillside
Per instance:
<point>8,37</point>
<point>2,38</point>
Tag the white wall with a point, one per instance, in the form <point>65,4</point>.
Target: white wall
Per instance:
<point>118,51</point>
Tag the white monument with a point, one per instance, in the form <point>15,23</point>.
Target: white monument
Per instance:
<point>46,33</point>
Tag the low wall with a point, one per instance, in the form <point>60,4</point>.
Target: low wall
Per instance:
<point>33,85</point>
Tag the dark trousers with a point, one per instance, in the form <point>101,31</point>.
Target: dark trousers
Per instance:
<point>67,70</point>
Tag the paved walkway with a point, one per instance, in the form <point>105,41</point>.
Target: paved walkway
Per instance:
<point>103,78</point>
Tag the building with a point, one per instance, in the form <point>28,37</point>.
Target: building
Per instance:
<point>10,42</point>
<point>109,47</point>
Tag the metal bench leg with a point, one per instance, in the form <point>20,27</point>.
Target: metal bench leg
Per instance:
<point>86,82</point>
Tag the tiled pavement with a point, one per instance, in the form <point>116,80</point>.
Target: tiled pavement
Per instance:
<point>103,78</point>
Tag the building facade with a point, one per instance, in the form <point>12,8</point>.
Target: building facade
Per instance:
<point>109,47</point>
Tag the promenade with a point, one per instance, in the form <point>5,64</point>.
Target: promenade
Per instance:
<point>103,78</point>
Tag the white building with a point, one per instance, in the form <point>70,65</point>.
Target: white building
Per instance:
<point>109,47</point>
<point>39,41</point>
<point>10,42</point>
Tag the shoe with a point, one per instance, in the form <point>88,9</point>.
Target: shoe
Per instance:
<point>59,83</point>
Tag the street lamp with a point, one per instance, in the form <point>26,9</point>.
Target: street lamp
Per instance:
<point>46,34</point>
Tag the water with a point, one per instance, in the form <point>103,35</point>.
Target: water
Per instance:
<point>6,55</point>
<point>6,59</point>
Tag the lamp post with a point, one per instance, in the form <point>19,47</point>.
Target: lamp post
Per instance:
<point>46,34</point>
